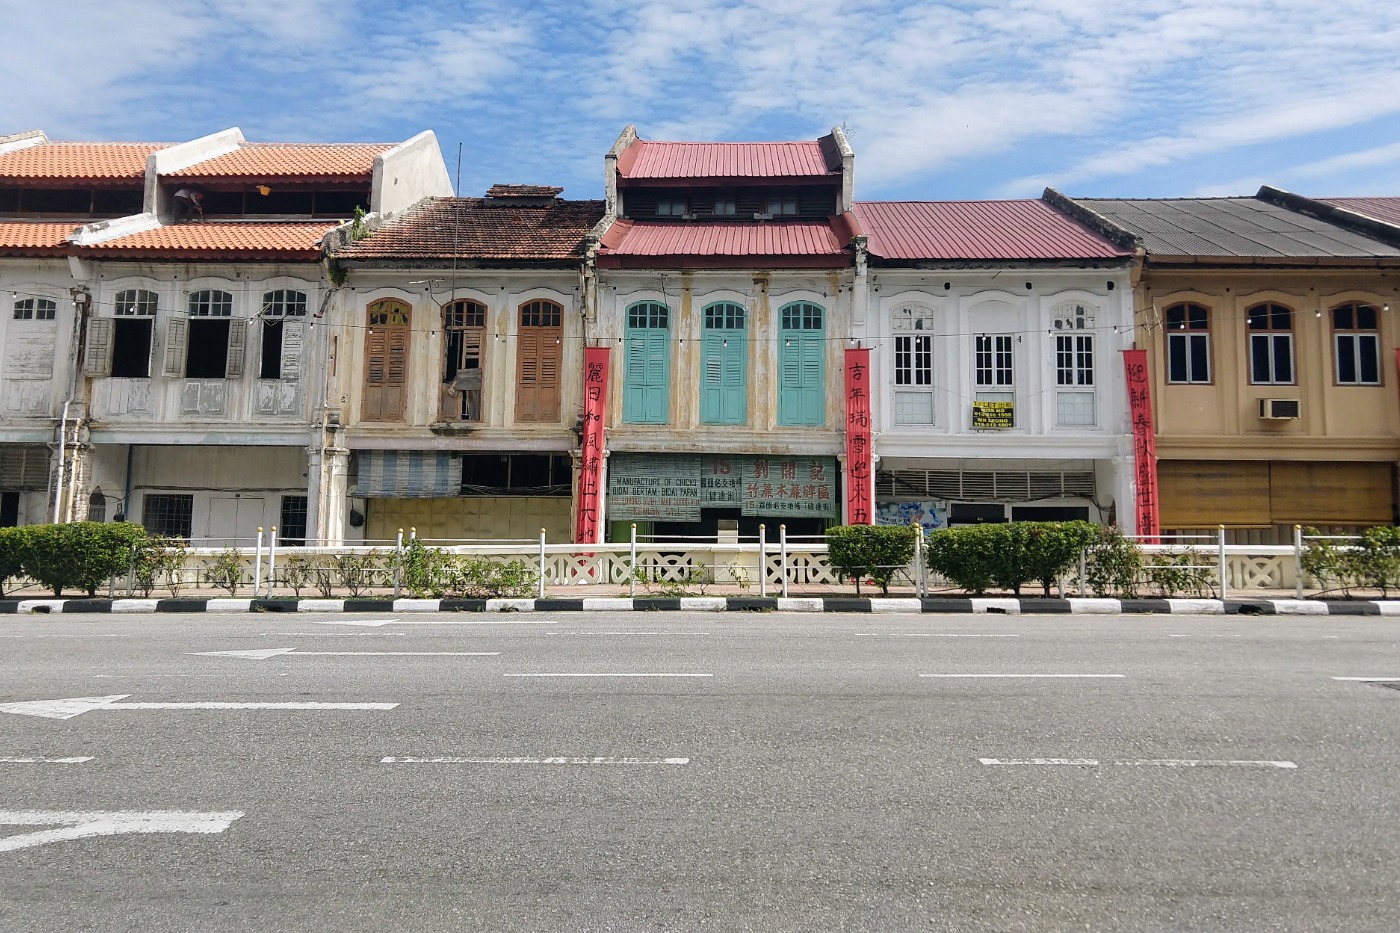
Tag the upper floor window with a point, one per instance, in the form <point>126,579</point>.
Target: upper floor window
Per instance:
<point>135,302</point>
<point>1270,345</point>
<point>465,326</point>
<point>671,207</point>
<point>283,333</point>
<point>993,360</point>
<point>781,205</point>
<point>1188,344</point>
<point>36,309</point>
<point>646,387</point>
<point>802,364</point>
<point>539,353</point>
<point>1356,333</point>
<point>725,206</point>
<point>1074,366</point>
<point>121,346</point>
<point>386,360</point>
<point>913,366</point>
<point>210,342</point>
<point>724,363</point>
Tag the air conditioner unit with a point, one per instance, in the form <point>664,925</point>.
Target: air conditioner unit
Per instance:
<point>1278,409</point>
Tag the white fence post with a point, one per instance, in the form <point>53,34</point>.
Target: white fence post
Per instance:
<point>762,561</point>
<point>1297,561</point>
<point>782,538</point>
<point>257,564</point>
<point>398,564</point>
<point>632,564</point>
<point>542,563</point>
<point>919,589</point>
<point>1224,568</point>
<point>271,561</point>
<point>1083,569</point>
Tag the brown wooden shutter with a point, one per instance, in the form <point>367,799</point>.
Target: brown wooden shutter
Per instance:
<point>1330,493</point>
<point>527,379</point>
<point>1204,493</point>
<point>547,392</point>
<point>97,359</point>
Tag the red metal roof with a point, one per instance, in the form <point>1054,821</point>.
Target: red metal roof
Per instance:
<point>35,238</point>
<point>229,240</point>
<point>287,162</point>
<point>977,230</point>
<point>1386,210</point>
<point>647,159</point>
<point>93,163</point>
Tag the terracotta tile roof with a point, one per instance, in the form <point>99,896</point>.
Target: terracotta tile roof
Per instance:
<point>977,230</point>
<point>30,238</point>
<point>477,228</point>
<point>1386,210</point>
<point>785,238</point>
<point>523,191</point>
<point>287,162</point>
<point>646,159</point>
<point>226,240</point>
<point>95,163</point>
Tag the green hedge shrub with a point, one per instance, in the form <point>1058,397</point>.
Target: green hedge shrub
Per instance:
<point>1372,562</point>
<point>11,555</point>
<point>1010,554</point>
<point>870,552</point>
<point>78,555</point>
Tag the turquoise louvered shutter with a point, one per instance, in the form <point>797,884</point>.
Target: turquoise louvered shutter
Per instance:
<point>724,366</point>
<point>646,387</point>
<point>802,367</point>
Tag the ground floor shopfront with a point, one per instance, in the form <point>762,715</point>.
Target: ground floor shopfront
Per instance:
<point>1259,501</point>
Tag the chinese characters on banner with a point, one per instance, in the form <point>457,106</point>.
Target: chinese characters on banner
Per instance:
<point>590,479</point>
<point>860,477</point>
<point>675,487</point>
<point>1144,442</point>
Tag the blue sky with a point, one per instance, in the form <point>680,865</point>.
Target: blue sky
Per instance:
<point>942,100</point>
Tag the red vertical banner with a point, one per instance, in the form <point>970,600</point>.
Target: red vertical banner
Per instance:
<point>1144,441</point>
<point>589,526</point>
<point>860,479</point>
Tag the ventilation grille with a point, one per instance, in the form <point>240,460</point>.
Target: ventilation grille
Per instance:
<point>24,468</point>
<point>985,485</point>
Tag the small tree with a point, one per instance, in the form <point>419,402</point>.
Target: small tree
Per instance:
<point>870,552</point>
<point>11,555</point>
<point>78,554</point>
<point>159,557</point>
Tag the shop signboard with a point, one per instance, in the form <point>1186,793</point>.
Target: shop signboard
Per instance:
<point>993,416</point>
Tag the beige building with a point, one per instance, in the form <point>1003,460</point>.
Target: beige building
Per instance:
<point>1271,346</point>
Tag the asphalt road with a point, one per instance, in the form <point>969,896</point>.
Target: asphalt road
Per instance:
<point>769,772</point>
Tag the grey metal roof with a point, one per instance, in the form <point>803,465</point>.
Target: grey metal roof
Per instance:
<point>1233,228</point>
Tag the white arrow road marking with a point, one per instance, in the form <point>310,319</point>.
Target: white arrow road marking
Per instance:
<point>1144,762</point>
<point>447,621</point>
<point>262,654</point>
<point>85,824</point>
<point>46,761</point>
<point>76,706</point>
<point>534,761</point>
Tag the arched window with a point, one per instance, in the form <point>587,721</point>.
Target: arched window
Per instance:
<point>464,324</point>
<point>538,351</point>
<point>283,333</point>
<point>724,362</point>
<point>646,395</point>
<point>1188,344</point>
<point>120,346</point>
<point>1270,344</point>
<point>913,365</point>
<point>1074,366</point>
<point>386,360</point>
<point>36,309</point>
<point>1357,340</point>
<point>802,364</point>
<point>214,347</point>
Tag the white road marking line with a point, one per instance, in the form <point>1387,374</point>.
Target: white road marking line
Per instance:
<point>1146,762</point>
<point>1371,680</point>
<point>47,761</point>
<point>1032,676</point>
<point>76,706</point>
<point>606,675</point>
<point>931,635</point>
<point>449,621</point>
<point>86,824</point>
<point>262,654</point>
<point>1211,635</point>
<point>143,676</point>
<point>579,634</point>
<point>534,761</point>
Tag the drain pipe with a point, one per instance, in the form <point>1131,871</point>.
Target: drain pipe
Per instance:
<point>62,449</point>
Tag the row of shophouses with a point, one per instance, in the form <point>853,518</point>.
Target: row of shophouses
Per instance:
<point>341,348</point>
